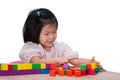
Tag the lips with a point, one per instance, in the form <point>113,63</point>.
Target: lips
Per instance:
<point>50,42</point>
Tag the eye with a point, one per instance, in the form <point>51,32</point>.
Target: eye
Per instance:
<point>46,34</point>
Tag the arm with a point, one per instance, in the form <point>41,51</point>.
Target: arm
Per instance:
<point>58,60</point>
<point>78,61</point>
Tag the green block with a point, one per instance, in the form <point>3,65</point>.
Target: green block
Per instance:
<point>15,67</point>
<point>99,69</point>
<point>36,66</point>
<point>83,66</point>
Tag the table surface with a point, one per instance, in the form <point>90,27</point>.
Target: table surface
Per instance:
<point>100,76</point>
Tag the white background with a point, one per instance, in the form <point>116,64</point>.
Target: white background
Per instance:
<point>90,27</point>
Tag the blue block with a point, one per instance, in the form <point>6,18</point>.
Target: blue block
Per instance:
<point>96,70</point>
<point>45,71</point>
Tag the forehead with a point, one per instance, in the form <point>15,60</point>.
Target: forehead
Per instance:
<point>49,27</point>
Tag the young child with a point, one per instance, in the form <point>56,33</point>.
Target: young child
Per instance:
<point>40,33</point>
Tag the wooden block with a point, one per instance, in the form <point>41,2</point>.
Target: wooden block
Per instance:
<point>83,66</point>
<point>52,65</point>
<point>47,66</point>
<point>4,66</point>
<point>83,72</point>
<point>10,67</point>
<point>52,73</point>
<point>66,66</point>
<point>69,72</point>
<point>88,66</point>
<point>93,66</point>
<point>45,71</point>
<point>61,73</point>
<point>77,73</point>
<point>60,68</point>
<point>92,72</point>
<point>15,67</point>
<point>43,66</point>
<point>27,66</point>
<point>35,66</point>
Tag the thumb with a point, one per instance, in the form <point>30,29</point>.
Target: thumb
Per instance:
<point>93,58</point>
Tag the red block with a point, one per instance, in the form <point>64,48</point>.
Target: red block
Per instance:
<point>83,72</point>
<point>92,72</point>
<point>77,73</point>
<point>61,65</point>
<point>52,65</point>
<point>10,67</point>
<point>88,66</point>
<point>69,72</point>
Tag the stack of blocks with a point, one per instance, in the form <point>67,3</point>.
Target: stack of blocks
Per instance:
<point>28,68</point>
<point>83,69</point>
<point>52,69</point>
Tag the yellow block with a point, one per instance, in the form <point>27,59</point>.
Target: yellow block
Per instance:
<point>24,66</point>
<point>93,65</point>
<point>60,68</point>
<point>4,66</point>
<point>42,66</point>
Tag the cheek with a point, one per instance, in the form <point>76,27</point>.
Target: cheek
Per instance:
<point>42,38</point>
<point>55,36</point>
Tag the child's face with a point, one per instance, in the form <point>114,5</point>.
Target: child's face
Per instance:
<point>48,35</point>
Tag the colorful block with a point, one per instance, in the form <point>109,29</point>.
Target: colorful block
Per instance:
<point>43,66</point>
<point>52,73</point>
<point>92,72</point>
<point>77,73</point>
<point>66,66</point>
<point>61,73</point>
<point>4,66</point>
<point>35,66</point>
<point>47,66</point>
<point>52,65</point>
<point>69,72</point>
<point>10,67</point>
<point>83,72</point>
<point>45,71</point>
<point>83,66</point>
<point>15,67</point>
<point>93,65</point>
<point>24,66</point>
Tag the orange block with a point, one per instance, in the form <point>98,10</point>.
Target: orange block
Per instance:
<point>52,65</point>
<point>61,72</point>
<point>52,73</point>
<point>88,66</point>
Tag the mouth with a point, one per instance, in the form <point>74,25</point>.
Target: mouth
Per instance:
<point>50,42</point>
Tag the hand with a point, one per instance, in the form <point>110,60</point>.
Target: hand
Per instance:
<point>61,60</point>
<point>98,63</point>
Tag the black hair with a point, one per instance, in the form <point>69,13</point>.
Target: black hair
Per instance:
<point>34,23</point>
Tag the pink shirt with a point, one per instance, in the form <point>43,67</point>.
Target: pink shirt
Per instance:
<point>59,49</point>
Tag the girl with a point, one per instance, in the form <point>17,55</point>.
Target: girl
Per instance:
<point>40,33</point>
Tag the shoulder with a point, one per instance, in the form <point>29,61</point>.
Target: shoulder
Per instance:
<point>31,46</point>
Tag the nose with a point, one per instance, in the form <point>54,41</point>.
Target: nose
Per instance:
<point>52,36</point>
